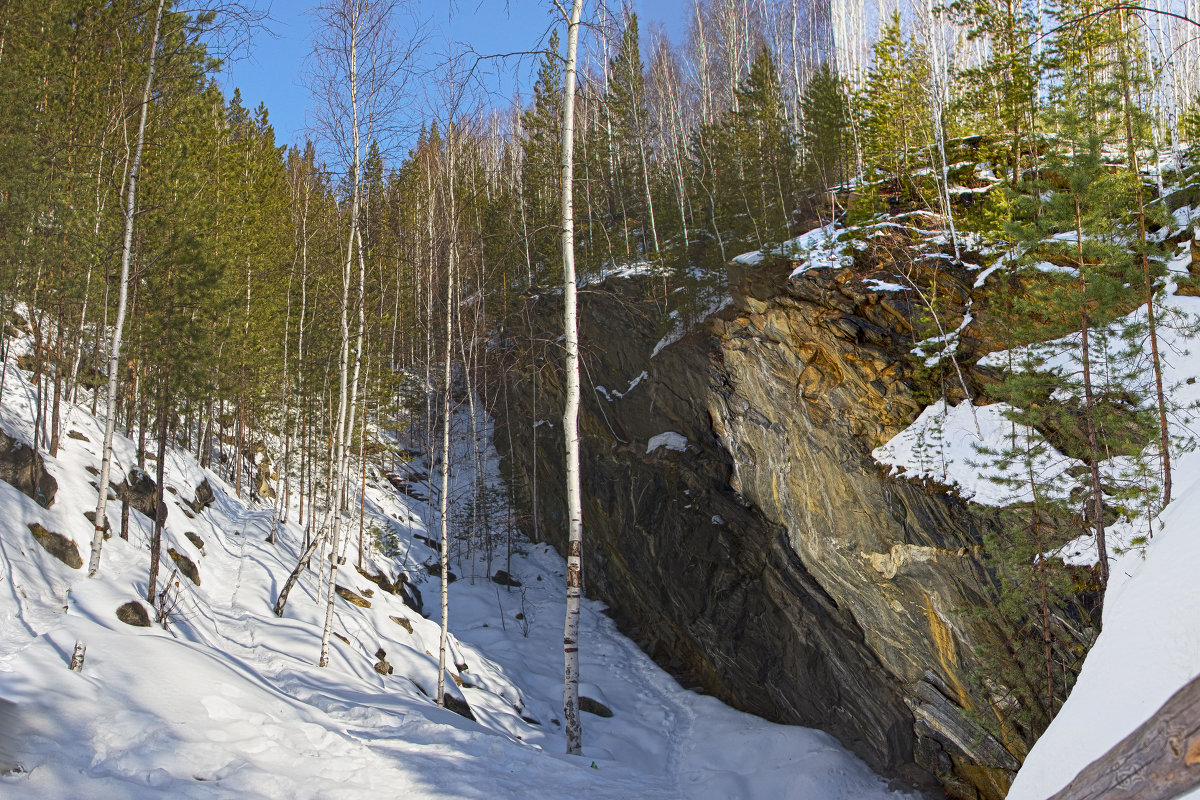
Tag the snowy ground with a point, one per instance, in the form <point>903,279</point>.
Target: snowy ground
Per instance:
<point>227,702</point>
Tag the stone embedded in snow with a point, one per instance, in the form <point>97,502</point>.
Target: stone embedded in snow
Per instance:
<point>141,493</point>
<point>403,622</point>
<point>196,541</point>
<point>670,440</point>
<point>57,545</point>
<point>134,613</point>
<point>458,706</point>
<point>204,496</point>
<point>23,467</point>
<point>185,565</point>
<point>91,518</point>
<point>382,666</point>
<point>352,597</point>
<point>504,579</point>
<point>594,707</point>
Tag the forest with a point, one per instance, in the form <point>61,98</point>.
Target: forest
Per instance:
<point>208,287</point>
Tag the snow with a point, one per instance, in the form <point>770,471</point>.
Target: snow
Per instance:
<point>681,326</point>
<point>816,249</point>
<point>634,270</point>
<point>612,395</point>
<point>944,444</point>
<point>884,286</point>
<point>227,702</point>
<point>670,440</point>
<point>945,344</point>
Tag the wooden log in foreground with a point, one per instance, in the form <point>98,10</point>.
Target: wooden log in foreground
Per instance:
<point>1158,761</point>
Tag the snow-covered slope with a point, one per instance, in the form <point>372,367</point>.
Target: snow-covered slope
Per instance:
<point>226,700</point>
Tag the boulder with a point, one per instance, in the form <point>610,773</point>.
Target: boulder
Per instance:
<point>91,518</point>
<point>57,545</point>
<point>435,569</point>
<point>403,622</point>
<point>205,496</point>
<point>458,706</point>
<point>411,595</point>
<point>351,597</point>
<point>594,707</point>
<point>262,480</point>
<point>379,580</point>
<point>504,579</point>
<point>185,565</point>
<point>23,467</point>
<point>196,541</point>
<point>381,665</point>
<point>135,614</point>
<point>141,493</point>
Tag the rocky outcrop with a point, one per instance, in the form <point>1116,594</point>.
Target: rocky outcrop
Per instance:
<point>760,553</point>
<point>352,597</point>
<point>185,565</point>
<point>23,467</point>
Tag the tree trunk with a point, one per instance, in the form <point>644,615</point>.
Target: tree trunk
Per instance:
<point>156,538</point>
<point>1089,405</point>
<point>1158,761</point>
<point>115,353</point>
<point>573,728</point>
<point>444,500</point>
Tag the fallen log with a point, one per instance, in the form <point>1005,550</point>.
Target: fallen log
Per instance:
<point>1158,761</point>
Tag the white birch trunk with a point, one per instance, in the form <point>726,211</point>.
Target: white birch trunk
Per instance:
<point>114,359</point>
<point>574,730</point>
<point>444,500</point>
<point>339,457</point>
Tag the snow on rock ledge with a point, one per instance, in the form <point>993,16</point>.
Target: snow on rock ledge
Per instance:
<point>670,440</point>
<point>945,444</point>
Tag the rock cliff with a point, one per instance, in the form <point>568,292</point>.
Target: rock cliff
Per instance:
<point>761,554</point>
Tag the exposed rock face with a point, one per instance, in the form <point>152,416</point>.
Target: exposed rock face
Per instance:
<point>352,597</point>
<point>21,466</point>
<point>768,560</point>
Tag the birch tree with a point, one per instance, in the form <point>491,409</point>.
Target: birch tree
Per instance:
<point>114,358</point>
<point>574,729</point>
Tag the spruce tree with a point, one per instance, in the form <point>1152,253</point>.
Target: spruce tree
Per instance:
<point>825,135</point>
<point>896,118</point>
<point>748,166</point>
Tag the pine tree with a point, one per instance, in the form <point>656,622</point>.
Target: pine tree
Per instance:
<point>828,159</point>
<point>747,163</point>
<point>896,117</point>
<point>628,139</point>
<point>542,162</point>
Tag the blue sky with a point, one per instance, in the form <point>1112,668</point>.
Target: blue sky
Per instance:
<point>273,71</point>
